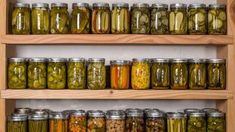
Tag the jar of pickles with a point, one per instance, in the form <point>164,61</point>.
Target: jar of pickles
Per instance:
<point>217,19</point>
<point>135,120</point>
<point>100,18</point>
<point>216,122</point>
<point>155,121</point>
<point>96,121</point>
<point>115,121</point>
<point>176,122</point>
<point>38,122</point>
<point>77,121</point>
<point>17,73</point>
<point>178,19</point>
<point>196,122</point>
<point>40,17</point>
<point>17,123</point>
<point>80,18</point>
<point>120,74</point>
<point>59,18</point>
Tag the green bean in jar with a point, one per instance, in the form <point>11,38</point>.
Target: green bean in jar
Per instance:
<point>135,120</point>
<point>176,122</point>
<point>17,123</point>
<point>196,122</point>
<point>216,122</point>
<point>96,121</point>
<point>115,121</point>
<point>155,121</point>
<point>38,122</point>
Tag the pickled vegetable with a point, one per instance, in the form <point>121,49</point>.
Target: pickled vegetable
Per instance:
<point>176,122</point>
<point>196,122</point>
<point>58,122</point>
<point>135,120</point>
<point>155,121</point>
<point>115,121</point>
<point>17,123</point>
<point>96,121</point>
<point>77,121</point>
<point>216,122</point>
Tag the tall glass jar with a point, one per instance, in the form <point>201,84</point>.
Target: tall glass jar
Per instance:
<point>17,123</point>
<point>101,18</point>
<point>20,23</point>
<point>155,121</point>
<point>115,121</point>
<point>59,18</point>
<point>176,122</point>
<point>216,122</point>
<point>38,122</point>
<point>40,17</point>
<point>178,19</point>
<point>17,73</point>
<point>196,122</point>
<point>96,121</point>
<point>58,122</point>
<point>77,121</point>
<point>80,18</point>
<point>135,120</point>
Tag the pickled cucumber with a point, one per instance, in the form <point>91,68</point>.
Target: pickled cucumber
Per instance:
<point>197,75</point>
<point>216,76</point>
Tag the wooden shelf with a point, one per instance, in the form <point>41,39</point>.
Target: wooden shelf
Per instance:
<point>112,39</point>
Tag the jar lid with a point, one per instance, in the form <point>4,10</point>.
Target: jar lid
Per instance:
<point>57,60</point>
<point>100,4</point>
<point>22,5</point>
<point>216,114</point>
<point>80,5</point>
<point>197,60</point>
<point>141,60</point>
<point>191,110</point>
<point>96,60</point>
<point>217,6</point>
<point>134,113</point>
<point>115,114</point>
<point>22,110</point>
<point>176,115</point>
<point>37,59</point>
<point>154,113</point>
<point>77,59</point>
<point>159,6</point>
<point>59,5</point>
<point>197,114</point>
<point>68,112</point>
<point>216,60</point>
<point>17,117</point>
<point>38,116</point>
<point>179,60</point>
<point>197,5</point>
<point>121,4</point>
<point>40,5</point>
<point>120,62</point>
<point>178,5</point>
<point>58,115</point>
<point>39,112</point>
<point>160,60</point>
<point>96,113</point>
<point>141,5</point>
<point>78,113</point>
<point>17,59</point>
<point>209,110</point>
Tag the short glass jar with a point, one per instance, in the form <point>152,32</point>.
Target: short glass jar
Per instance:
<point>135,120</point>
<point>77,121</point>
<point>115,121</point>
<point>38,122</point>
<point>216,122</point>
<point>196,122</point>
<point>96,121</point>
<point>155,121</point>
<point>176,122</point>
<point>17,123</point>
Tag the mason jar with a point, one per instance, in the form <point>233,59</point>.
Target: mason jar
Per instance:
<point>155,121</point>
<point>96,121</point>
<point>115,121</point>
<point>176,122</point>
<point>77,121</point>
<point>216,122</point>
<point>58,122</point>
<point>196,122</point>
<point>38,122</point>
<point>135,120</point>
<point>17,123</point>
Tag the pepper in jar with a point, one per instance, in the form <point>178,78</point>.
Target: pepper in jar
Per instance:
<point>77,121</point>
<point>96,121</point>
<point>196,122</point>
<point>135,120</point>
<point>216,122</point>
<point>58,122</point>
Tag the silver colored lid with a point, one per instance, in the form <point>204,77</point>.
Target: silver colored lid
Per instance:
<point>77,60</point>
<point>179,60</point>
<point>17,59</point>
<point>96,113</point>
<point>37,59</point>
<point>39,112</point>
<point>80,5</point>
<point>141,60</point>
<point>134,113</point>
<point>154,113</point>
<point>115,114</point>
<point>178,5</point>
<point>197,60</point>
<point>160,60</point>
<point>101,4</point>
<point>160,6</point>
<point>78,113</point>
<point>209,110</point>
<point>121,4</point>
<point>141,5</point>
<point>96,60</point>
<point>57,60</point>
<point>216,114</point>
<point>58,115</point>
<point>216,60</point>
<point>22,110</point>
<point>217,6</point>
<point>59,5</point>
<point>197,114</point>
<point>197,5</point>
<point>21,5</point>
<point>68,112</point>
<point>40,5</point>
<point>38,116</point>
<point>191,110</point>
<point>176,115</point>
<point>120,62</point>
<point>17,117</point>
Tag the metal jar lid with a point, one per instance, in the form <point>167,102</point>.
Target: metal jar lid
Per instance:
<point>96,60</point>
<point>39,112</point>
<point>160,60</point>
<point>121,4</point>
<point>78,113</point>
<point>176,115</point>
<point>216,61</point>
<point>191,110</point>
<point>178,5</point>
<point>141,60</point>
<point>59,5</point>
<point>197,114</point>
<point>139,5</point>
<point>77,60</point>
<point>101,4</point>
<point>17,117</point>
<point>209,110</point>
<point>120,62</point>
<point>37,59</point>
<point>17,59</point>
<point>58,115</point>
<point>179,60</point>
<point>22,5</point>
<point>154,113</point>
<point>134,113</point>
<point>40,5</point>
<point>115,114</point>
<point>38,116</point>
<point>197,60</point>
<point>217,6</point>
<point>57,60</point>
<point>86,5</point>
<point>197,5</point>
<point>216,114</point>
<point>96,113</point>
<point>22,110</point>
<point>160,6</point>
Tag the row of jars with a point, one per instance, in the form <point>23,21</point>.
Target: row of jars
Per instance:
<point>58,73</point>
<point>142,19</point>
<point>131,120</point>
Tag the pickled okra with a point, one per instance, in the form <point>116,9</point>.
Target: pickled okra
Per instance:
<point>176,122</point>
<point>196,122</point>
<point>77,121</point>
<point>155,121</point>
<point>96,121</point>
<point>17,123</point>
<point>216,122</point>
<point>58,122</point>
<point>135,120</point>
<point>38,122</point>
<point>115,121</point>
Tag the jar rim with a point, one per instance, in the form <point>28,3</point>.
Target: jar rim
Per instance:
<point>178,5</point>
<point>177,60</point>
<point>159,6</point>
<point>216,114</point>
<point>78,113</point>
<point>57,60</point>
<point>190,110</point>
<point>37,116</point>
<point>160,60</point>
<point>38,59</point>
<point>59,5</point>
<point>197,60</point>
<point>120,4</point>
<point>77,59</point>
<point>96,113</point>
<point>23,110</point>
<point>217,6</point>
<point>141,60</point>
<point>17,59</point>
<point>80,5</point>
<point>197,114</point>
<point>140,5</point>
<point>154,113</point>
<point>208,110</point>
<point>115,114</point>
<point>17,117</point>
<point>197,5</point>
<point>27,5</point>
<point>96,60</point>
<point>38,5</point>
<point>101,4</point>
<point>176,115</point>
<point>134,112</point>
<point>120,62</point>
<point>216,60</point>
<point>58,115</point>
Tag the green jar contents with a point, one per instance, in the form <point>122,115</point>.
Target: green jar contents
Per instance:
<point>197,19</point>
<point>140,18</point>
<point>216,74</point>
<point>77,121</point>
<point>197,74</point>
<point>58,122</point>
<point>80,18</point>
<point>120,18</point>
<point>40,17</point>
<point>159,19</point>
<point>21,19</point>
<point>155,121</point>
<point>101,18</point>
<point>135,120</point>
<point>216,122</point>
<point>38,122</point>
<point>37,73</point>
<point>76,71</point>
<point>59,18</point>
<point>176,122</point>
<point>17,123</point>
<point>96,74</point>
<point>217,19</point>
<point>115,121</point>
<point>178,19</point>
<point>96,121</point>
<point>17,73</point>
<point>196,122</point>
<point>56,73</point>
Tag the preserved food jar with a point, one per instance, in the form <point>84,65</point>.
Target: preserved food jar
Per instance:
<point>17,73</point>
<point>77,121</point>
<point>17,123</point>
<point>56,73</point>
<point>76,72</point>
<point>21,19</point>
<point>120,74</point>
<point>96,73</point>
<point>176,122</point>
<point>22,111</point>
<point>96,121</point>
<point>58,122</point>
<point>178,19</point>
<point>155,121</point>
<point>159,19</point>
<point>37,73</point>
<point>115,121</point>
<point>216,122</point>
<point>217,19</point>
<point>135,120</point>
<point>40,17</point>
<point>80,18</point>
<point>140,74</point>
<point>38,122</point>
<point>101,18</point>
<point>216,74</point>
<point>188,111</point>
<point>196,122</point>
<point>59,18</point>
<point>140,18</point>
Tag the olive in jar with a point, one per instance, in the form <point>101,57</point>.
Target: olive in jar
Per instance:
<point>17,123</point>
<point>196,122</point>
<point>96,121</point>
<point>155,121</point>
<point>115,121</point>
<point>216,122</point>
<point>135,120</point>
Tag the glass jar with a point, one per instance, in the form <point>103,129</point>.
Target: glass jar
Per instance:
<point>120,18</point>
<point>23,111</point>
<point>160,71</point>
<point>159,19</point>
<point>196,122</point>
<point>179,74</point>
<point>217,19</point>
<point>59,18</point>
<point>120,74</point>
<point>58,122</point>
<point>17,123</point>
<point>216,122</point>
<point>76,72</point>
<point>197,19</point>
<point>140,74</point>
<point>216,74</point>
<point>17,73</point>
<point>37,73</point>
<point>176,122</point>
<point>197,74</point>
<point>101,18</point>
<point>21,19</point>
<point>96,73</point>
<point>56,73</point>
<point>80,18</point>
<point>135,120</point>
<point>77,121</point>
<point>140,18</point>
<point>155,121</point>
<point>38,122</point>
<point>178,19</point>
<point>115,121</point>
<point>40,17</point>
<point>96,121</point>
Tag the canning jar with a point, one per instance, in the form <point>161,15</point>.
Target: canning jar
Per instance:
<point>58,122</point>
<point>120,74</point>
<point>21,19</point>
<point>38,122</point>
<point>178,19</point>
<point>56,73</point>
<point>160,74</point>
<point>159,19</point>
<point>23,111</point>
<point>216,74</point>
<point>37,73</point>
<point>77,121</point>
<point>17,123</point>
<point>76,71</point>
<point>59,18</point>
<point>80,18</point>
<point>197,74</point>
<point>100,18</point>
<point>155,121</point>
<point>135,120</point>
<point>96,73</point>
<point>140,18</point>
<point>176,122</point>
<point>120,18</point>
<point>216,122</point>
<point>196,122</point>
<point>115,121</point>
<point>217,19</point>
<point>40,17</point>
<point>96,121</point>
<point>17,73</point>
